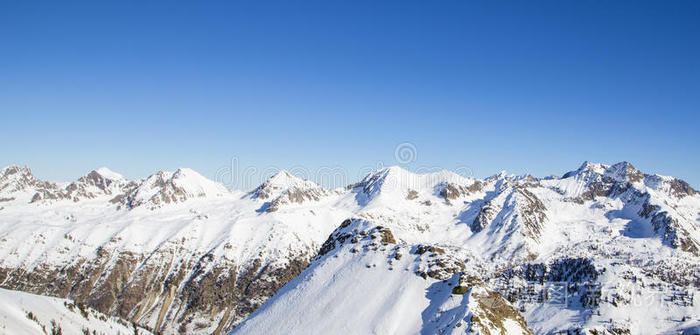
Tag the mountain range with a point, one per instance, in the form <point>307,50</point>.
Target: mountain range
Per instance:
<point>603,249</point>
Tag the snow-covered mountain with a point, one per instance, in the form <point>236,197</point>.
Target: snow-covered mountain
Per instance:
<point>167,187</point>
<point>283,189</point>
<point>604,249</point>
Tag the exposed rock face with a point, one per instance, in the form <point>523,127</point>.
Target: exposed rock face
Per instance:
<point>174,298</point>
<point>487,213</point>
<point>49,192</point>
<point>436,263</point>
<point>412,195</point>
<point>670,230</point>
<point>490,313</point>
<point>515,206</point>
<point>453,191</point>
<point>680,188</point>
<point>297,196</point>
<point>531,211</point>
<point>355,230</point>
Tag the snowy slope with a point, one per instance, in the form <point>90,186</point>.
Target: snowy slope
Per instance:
<point>151,252</point>
<point>366,283</point>
<point>571,254</point>
<point>23,313</point>
<point>179,253</point>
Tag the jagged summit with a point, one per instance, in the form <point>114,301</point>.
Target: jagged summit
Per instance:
<point>14,178</point>
<point>622,171</point>
<point>586,168</point>
<point>283,189</point>
<point>167,187</point>
<point>18,183</point>
<point>98,182</point>
<point>279,183</point>
<point>598,177</point>
<point>12,169</point>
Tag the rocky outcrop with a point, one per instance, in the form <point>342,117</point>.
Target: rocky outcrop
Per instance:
<point>158,294</point>
<point>531,211</point>
<point>489,312</point>
<point>670,230</point>
<point>297,196</point>
<point>357,231</point>
<point>452,191</point>
<point>517,204</point>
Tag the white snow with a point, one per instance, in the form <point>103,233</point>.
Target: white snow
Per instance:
<point>28,314</point>
<point>235,226</point>
<point>109,174</point>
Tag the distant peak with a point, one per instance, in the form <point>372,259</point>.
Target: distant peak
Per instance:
<point>285,179</point>
<point>165,187</point>
<point>13,169</point>
<point>108,174</point>
<point>501,175</point>
<point>279,183</point>
<point>622,171</point>
<point>587,167</point>
<point>282,175</point>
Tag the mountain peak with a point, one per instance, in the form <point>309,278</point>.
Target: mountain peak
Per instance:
<point>282,177</point>
<point>395,180</point>
<point>15,170</point>
<point>165,187</point>
<point>108,174</point>
<point>587,168</point>
<point>14,179</point>
<point>192,182</point>
<point>101,181</point>
<point>624,171</point>
<point>281,182</point>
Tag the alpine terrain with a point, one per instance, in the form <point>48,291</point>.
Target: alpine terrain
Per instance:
<point>603,249</point>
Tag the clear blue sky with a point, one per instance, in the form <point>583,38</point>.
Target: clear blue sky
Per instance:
<point>529,87</point>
